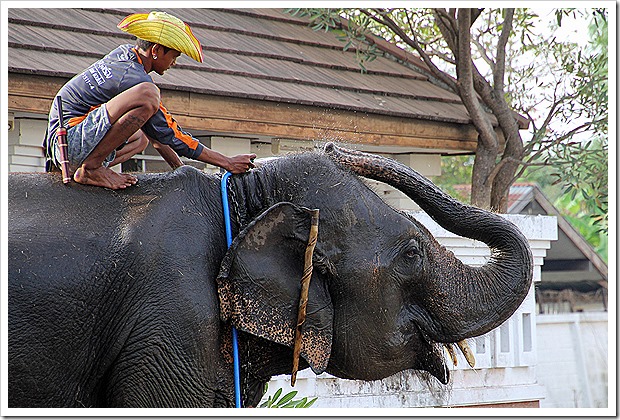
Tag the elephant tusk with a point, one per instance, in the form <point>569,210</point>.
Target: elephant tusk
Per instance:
<point>469,355</point>
<point>451,353</point>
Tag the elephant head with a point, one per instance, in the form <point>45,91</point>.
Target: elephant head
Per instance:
<point>384,293</point>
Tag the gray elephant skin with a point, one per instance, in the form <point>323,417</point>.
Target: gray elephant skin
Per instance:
<point>127,298</point>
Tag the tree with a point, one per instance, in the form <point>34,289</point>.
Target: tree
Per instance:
<point>569,114</point>
<point>486,56</point>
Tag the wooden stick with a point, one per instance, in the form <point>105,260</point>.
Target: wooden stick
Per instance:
<point>303,296</point>
<point>61,135</point>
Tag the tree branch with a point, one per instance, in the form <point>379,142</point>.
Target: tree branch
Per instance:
<point>580,128</point>
<point>412,42</point>
<point>496,102</point>
<point>475,13</point>
<point>448,28</point>
<point>500,61</point>
<point>498,167</point>
<point>467,92</point>
<point>447,18</point>
<point>483,53</point>
<point>523,166</point>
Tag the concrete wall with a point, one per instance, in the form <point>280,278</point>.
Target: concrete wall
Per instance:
<point>573,362</point>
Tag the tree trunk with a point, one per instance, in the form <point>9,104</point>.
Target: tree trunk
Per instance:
<point>484,162</point>
<point>501,185</point>
<point>501,177</point>
<point>467,86</point>
<point>491,179</point>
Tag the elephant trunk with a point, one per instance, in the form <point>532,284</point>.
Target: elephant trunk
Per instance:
<point>459,301</point>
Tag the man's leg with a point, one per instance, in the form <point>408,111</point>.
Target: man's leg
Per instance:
<point>127,112</point>
<point>138,142</point>
<point>135,144</point>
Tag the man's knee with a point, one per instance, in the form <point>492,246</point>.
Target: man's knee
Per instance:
<point>149,96</point>
<point>142,98</point>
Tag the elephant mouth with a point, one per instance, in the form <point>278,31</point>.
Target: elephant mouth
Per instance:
<point>431,357</point>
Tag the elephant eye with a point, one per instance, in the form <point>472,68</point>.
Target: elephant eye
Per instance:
<point>412,250</point>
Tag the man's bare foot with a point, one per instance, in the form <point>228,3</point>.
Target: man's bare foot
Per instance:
<point>103,177</point>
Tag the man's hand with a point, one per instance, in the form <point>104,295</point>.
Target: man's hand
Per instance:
<point>234,164</point>
<point>240,163</point>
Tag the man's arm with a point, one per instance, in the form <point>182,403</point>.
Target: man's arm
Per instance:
<point>168,154</point>
<point>233,164</point>
<point>175,136</point>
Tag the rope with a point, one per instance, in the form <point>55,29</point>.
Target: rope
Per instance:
<point>235,345</point>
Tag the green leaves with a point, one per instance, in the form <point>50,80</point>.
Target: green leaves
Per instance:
<point>321,19</point>
<point>576,181</point>
<point>354,35</point>
<point>575,207</point>
<point>287,401</point>
<point>583,168</point>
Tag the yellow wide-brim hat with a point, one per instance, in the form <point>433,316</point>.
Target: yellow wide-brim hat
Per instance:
<point>164,29</point>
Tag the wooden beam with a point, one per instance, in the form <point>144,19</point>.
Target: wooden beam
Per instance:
<point>29,104</point>
<point>301,122</point>
<point>32,93</point>
<point>248,117</point>
<point>255,128</point>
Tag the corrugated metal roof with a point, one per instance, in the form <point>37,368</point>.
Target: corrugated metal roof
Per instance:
<point>249,53</point>
<point>519,196</point>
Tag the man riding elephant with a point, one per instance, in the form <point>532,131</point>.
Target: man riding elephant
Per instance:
<point>114,109</point>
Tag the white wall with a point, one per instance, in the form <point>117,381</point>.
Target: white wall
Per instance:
<point>573,361</point>
<point>24,140</point>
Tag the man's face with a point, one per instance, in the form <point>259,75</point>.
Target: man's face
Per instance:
<point>164,60</point>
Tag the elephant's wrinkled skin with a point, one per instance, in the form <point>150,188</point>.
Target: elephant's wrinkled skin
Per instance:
<point>126,298</point>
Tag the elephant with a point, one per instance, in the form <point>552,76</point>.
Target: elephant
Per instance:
<point>127,298</point>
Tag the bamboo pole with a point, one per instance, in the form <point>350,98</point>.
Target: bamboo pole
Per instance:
<point>303,296</point>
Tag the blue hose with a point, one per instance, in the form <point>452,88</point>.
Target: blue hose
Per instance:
<point>235,344</point>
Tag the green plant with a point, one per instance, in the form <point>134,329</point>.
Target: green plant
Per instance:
<point>287,401</point>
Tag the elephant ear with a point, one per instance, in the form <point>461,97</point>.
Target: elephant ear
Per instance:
<point>259,284</point>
